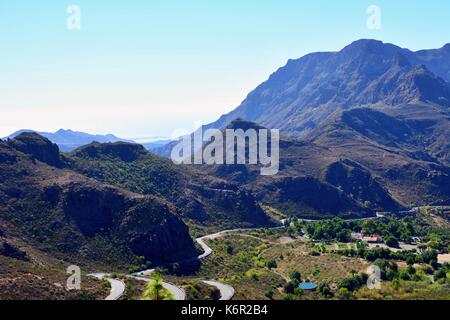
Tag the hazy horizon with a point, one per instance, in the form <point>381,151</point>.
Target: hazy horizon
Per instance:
<point>146,70</point>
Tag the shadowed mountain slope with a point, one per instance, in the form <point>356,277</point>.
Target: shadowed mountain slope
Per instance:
<point>74,217</point>
<point>202,199</point>
<point>306,92</point>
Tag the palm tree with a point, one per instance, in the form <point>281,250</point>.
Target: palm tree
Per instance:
<point>156,291</point>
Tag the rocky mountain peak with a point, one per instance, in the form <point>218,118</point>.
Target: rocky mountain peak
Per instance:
<point>306,92</point>
<point>37,146</point>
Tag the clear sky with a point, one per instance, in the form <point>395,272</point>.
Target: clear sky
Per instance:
<point>145,68</point>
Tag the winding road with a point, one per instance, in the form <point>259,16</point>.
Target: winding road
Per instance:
<point>117,286</point>
<point>178,293</point>
<point>226,291</point>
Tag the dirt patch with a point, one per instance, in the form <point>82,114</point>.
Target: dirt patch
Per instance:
<point>443,258</point>
<point>285,240</point>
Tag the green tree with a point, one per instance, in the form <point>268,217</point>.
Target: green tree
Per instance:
<point>299,292</point>
<point>272,264</point>
<point>325,290</point>
<point>391,242</point>
<point>410,260</point>
<point>395,284</point>
<point>440,274</point>
<point>411,270</point>
<point>156,291</point>
<point>269,294</point>
<point>404,275</point>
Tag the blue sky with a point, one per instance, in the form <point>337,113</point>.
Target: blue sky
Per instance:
<point>146,68</point>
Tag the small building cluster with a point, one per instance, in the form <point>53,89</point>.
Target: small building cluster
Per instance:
<point>369,239</point>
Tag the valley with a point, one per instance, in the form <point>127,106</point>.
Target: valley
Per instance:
<point>363,184</point>
<point>268,263</point>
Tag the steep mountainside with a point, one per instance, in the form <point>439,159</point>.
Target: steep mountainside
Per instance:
<point>374,126</point>
<point>406,147</point>
<point>360,161</point>
<point>306,92</point>
<point>78,219</point>
<point>437,60</point>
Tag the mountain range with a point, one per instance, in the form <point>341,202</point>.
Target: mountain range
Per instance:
<point>307,92</point>
<point>365,129</point>
<point>372,113</point>
<point>68,140</point>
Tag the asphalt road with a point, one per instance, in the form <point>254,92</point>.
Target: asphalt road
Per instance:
<point>226,291</point>
<point>178,293</point>
<point>117,286</point>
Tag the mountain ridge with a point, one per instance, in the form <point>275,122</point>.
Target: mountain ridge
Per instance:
<point>307,91</point>
<point>69,140</point>
<point>71,216</point>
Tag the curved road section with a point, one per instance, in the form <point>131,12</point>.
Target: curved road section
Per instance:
<point>226,291</point>
<point>178,293</point>
<point>117,286</point>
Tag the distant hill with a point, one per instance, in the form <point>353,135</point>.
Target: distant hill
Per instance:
<point>68,140</point>
<point>155,145</point>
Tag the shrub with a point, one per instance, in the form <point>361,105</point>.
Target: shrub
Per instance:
<point>272,264</point>
<point>289,287</point>
<point>344,293</point>
<point>391,242</point>
<point>404,275</point>
<point>296,275</point>
<point>269,294</point>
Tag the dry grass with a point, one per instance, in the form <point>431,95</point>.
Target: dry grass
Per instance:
<point>329,267</point>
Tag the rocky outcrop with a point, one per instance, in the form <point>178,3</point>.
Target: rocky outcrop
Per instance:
<point>93,208</point>
<point>310,198</point>
<point>357,182</point>
<point>147,224</point>
<point>154,231</point>
<point>38,147</point>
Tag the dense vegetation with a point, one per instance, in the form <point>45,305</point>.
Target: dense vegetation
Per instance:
<point>128,166</point>
<point>392,229</point>
<point>156,291</point>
